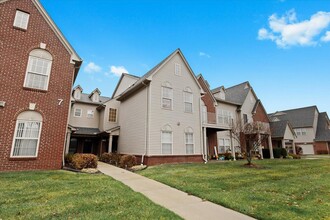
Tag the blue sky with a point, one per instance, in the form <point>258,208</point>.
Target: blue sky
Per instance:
<point>282,47</point>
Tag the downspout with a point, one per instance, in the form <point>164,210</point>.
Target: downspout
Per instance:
<point>146,126</point>
<point>204,156</point>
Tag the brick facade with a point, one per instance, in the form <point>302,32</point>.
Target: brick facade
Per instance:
<point>15,46</point>
<point>261,114</point>
<point>321,147</point>
<point>207,98</point>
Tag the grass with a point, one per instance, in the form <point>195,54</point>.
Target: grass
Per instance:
<point>281,189</point>
<point>66,195</point>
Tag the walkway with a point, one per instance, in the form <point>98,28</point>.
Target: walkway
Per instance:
<point>184,205</point>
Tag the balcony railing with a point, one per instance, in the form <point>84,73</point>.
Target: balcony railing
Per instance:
<point>218,120</point>
<point>257,127</point>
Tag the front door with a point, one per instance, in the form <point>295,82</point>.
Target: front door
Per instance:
<point>114,144</point>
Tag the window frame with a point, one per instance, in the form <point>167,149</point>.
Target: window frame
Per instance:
<point>166,129</point>
<point>92,115</point>
<point>116,118</point>
<point>177,69</point>
<point>74,112</point>
<point>29,66</point>
<point>20,25</point>
<point>189,131</point>
<point>188,91</point>
<point>15,134</point>
<point>167,98</point>
<point>225,147</point>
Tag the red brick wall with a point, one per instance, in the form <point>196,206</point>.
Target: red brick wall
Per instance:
<point>261,114</point>
<point>321,148</point>
<point>156,160</point>
<point>15,46</point>
<point>212,141</point>
<point>207,98</point>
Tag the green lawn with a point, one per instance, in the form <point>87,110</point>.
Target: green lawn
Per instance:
<point>282,189</point>
<point>66,195</point>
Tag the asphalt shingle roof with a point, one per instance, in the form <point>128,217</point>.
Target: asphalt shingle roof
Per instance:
<point>85,98</point>
<point>298,118</point>
<point>278,128</point>
<point>87,131</point>
<point>323,131</point>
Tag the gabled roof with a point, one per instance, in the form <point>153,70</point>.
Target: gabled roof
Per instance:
<point>218,89</point>
<point>200,76</point>
<point>278,128</point>
<point>323,131</point>
<point>147,78</point>
<point>298,118</point>
<point>86,99</point>
<point>77,87</point>
<point>121,78</point>
<point>94,91</point>
<point>238,93</point>
<point>75,59</point>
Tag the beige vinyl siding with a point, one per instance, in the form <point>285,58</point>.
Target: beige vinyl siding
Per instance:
<point>316,118</point>
<point>176,118</point>
<point>308,138</point>
<point>133,113</point>
<point>126,82</point>
<point>288,135</point>
<point>105,123</point>
<point>248,106</point>
<point>83,121</point>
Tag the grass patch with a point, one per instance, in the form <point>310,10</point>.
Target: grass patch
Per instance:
<point>281,189</point>
<point>66,195</point>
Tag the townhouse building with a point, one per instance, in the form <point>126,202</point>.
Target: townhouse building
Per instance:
<point>38,67</point>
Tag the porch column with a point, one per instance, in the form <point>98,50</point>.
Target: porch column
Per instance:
<point>110,144</point>
<point>260,147</point>
<point>294,147</point>
<point>232,146</point>
<point>283,143</point>
<point>270,144</point>
<point>67,144</point>
<point>205,147</point>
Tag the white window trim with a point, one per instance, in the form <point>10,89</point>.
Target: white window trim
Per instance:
<point>185,101</point>
<point>193,143</point>
<point>14,137</point>
<point>27,22</point>
<point>224,141</point>
<point>92,116</point>
<point>116,115</point>
<point>178,67</point>
<point>48,74</point>
<point>161,142</point>
<point>74,113</point>
<point>161,104</point>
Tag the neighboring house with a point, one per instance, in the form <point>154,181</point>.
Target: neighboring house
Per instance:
<point>309,126</point>
<point>283,135</point>
<point>240,101</point>
<point>37,67</point>
<point>322,139</point>
<point>160,117</point>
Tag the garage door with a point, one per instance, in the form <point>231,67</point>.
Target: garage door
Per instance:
<point>307,149</point>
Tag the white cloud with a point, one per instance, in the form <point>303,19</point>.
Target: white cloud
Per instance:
<point>287,31</point>
<point>203,54</point>
<point>326,37</point>
<point>92,68</point>
<point>118,70</point>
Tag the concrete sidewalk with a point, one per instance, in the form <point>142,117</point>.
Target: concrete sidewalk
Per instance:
<point>184,205</point>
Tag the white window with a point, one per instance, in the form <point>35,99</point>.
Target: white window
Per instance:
<point>77,94</point>
<point>204,114</point>
<point>166,140</point>
<point>188,100</point>
<point>38,70</point>
<point>224,145</point>
<point>167,96</point>
<point>21,19</point>
<point>301,131</point>
<point>90,114</point>
<point>96,97</point>
<point>224,117</point>
<point>77,112</point>
<point>27,135</point>
<point>112,115</point>
<point>189,141</point>
<point>177,69</point>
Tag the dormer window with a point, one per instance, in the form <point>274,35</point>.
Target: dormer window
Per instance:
<point>222,96</point>
<point>77,94</point>
<point>96,97</point>
<point>21,19</point>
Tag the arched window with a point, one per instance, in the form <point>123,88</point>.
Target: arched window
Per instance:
<point>38,69</point>
<point>27,134</point>
<point>167,96</point>
<point>189,140</point>
<point>188,100</point>
<point>167,140</point>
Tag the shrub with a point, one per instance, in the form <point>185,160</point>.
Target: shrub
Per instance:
<point>280,152</point>
<point>81,161</point>
<point>284,152</point>
<point>127,161</point>
<point>115,159</point>
<point>106,157</point>
<point>295,156</point>
<point>68,159</point>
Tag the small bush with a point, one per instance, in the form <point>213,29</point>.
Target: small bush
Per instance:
<point>280,152</point>
<point>82,161</point>
<point>127,161</point>
<point>295,156</point>
<point>106,157</point>
<point>284,152</point>
<point>115,159</point>
<point>289,157</point>
<point>68,159</point>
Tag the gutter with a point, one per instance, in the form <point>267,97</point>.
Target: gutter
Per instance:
<point>147,123</point>
<point>204,156</point>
